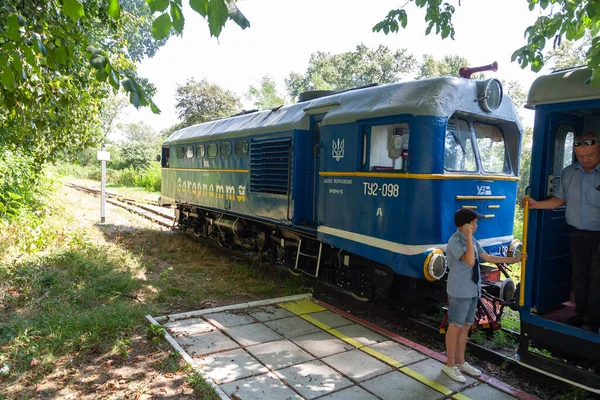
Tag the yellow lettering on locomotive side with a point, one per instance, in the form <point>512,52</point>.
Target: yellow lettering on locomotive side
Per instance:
<point>220,192</point>
<point>211,191</point>
<point>179,185</point>
<point>241,193</point>
<point>230,192</point>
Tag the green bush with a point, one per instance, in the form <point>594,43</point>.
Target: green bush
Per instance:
<point>150,179</point>
<point>22,183</point>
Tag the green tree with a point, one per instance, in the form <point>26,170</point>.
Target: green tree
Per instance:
<point>59,59</point>
<point>265,95</point>
<point>569,54</point>
<point>203,101</point>
<point>447,66</point>
<point>351,69</point>
<point>140,145</point>
<point>558,20</point>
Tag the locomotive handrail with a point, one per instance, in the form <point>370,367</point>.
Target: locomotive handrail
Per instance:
<point>524,251</point>
<point>289,179</point>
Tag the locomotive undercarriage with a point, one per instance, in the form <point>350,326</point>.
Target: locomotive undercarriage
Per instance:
<point>302,253</point>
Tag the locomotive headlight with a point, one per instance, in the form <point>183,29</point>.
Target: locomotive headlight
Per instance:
<point>515,248</point>
<point>435,265</point>
<point>489,94</point>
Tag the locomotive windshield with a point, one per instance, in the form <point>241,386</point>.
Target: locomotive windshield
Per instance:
<point>458,149</point>
<point>464,139</point>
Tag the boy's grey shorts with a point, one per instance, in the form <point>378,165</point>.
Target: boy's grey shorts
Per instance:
<point>461,310</point>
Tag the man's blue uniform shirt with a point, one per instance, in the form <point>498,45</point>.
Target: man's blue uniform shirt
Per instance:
<point>459,282</point>
<point>581,192</point>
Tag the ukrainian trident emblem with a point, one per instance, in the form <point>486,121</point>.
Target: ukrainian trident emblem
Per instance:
<point>337,149</point>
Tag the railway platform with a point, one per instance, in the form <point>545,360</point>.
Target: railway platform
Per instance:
<point>300,348</point>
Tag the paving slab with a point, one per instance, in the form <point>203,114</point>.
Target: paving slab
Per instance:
<point>292,327</point>
<point>280,354</point>
<point>432,369</point>
<point>396,385</point>
<point>206,343</point>
<point>396,351</point>
<point>353,393</point>
<point>322,344</point>
<point>262,387</point>
<point>361,334</point>
<point>313,379</point>
<point>331,319</point>
<point>483,391</point>
<point>192,326</point>
<point>248,335</point>
<point>228,319</point>
<point>230,366</point>
<point>269,313</point>
<point>357,365</point>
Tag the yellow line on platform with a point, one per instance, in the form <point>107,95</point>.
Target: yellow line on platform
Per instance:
<point>303,307</point>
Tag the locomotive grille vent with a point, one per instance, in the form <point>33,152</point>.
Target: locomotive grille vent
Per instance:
<point>269,165</point>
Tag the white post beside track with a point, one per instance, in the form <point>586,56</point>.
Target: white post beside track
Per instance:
<point>103,156</point>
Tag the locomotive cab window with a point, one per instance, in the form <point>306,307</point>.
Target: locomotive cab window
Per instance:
<point>388,147</point>
<point>458,147</point>
<point>180,152</point>
<point>492,149</point>
<point>563,148</point>
<point>189,151</point>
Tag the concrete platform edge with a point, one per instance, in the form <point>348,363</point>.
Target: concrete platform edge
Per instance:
<point>240,306</point>
<point>189,360</point>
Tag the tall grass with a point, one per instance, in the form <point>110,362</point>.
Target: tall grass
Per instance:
<point>148,178</point>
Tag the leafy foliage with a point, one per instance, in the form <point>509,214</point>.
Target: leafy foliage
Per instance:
<point>569,54</point>
<point>351,69</point>
<point>447,66</point>
<point>558,20</point>
<point>202,101</point>
<point>265,96</point>
<point>18,176</point>
<point>140,146</point>
<point>60,58</point>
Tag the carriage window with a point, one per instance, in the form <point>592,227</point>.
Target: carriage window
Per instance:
<point>189,151</point>
<point>180,152</point>
<point>225,149</point>
<point>458,147</point>
<point>212,150</point>
<point>563,148</point>
<point>241,148</point>
<point>492,149</point>
<point>200,151</point>
<point>387,143</point>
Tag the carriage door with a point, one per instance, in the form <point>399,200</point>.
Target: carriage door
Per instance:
<point>315,127</point>
<point>553,272</point>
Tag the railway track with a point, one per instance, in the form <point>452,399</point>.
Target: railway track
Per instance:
<point>146,209</point>
<point>423,326</point>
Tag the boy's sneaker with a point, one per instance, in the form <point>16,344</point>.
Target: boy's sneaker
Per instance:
<point>467,369</point>
<point>454,373</point>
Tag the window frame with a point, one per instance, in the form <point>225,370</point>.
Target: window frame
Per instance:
<point>216,147</point>
<point>227,142</point>
<point>198,147</point>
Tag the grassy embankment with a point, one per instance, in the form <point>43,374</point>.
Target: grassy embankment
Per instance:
<point>73,293</point>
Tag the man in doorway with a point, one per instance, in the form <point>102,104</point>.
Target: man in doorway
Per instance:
<point>579,189</point>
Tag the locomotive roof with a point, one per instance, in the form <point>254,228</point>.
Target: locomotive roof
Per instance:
<point>430,97</point>
<point>562,87</point>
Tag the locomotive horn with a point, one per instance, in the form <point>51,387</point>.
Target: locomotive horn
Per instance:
<point>466,72</point>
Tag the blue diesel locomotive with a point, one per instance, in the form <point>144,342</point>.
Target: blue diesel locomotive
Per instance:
<point>565,105</point>
<point>357,187</point>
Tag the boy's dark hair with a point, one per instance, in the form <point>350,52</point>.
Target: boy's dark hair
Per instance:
<point>465,215</point>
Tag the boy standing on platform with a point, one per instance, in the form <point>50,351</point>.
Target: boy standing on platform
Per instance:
<point>464,288</point>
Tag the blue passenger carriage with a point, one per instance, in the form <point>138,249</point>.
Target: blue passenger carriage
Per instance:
<point>565,105</point>
<point>358,187</point>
